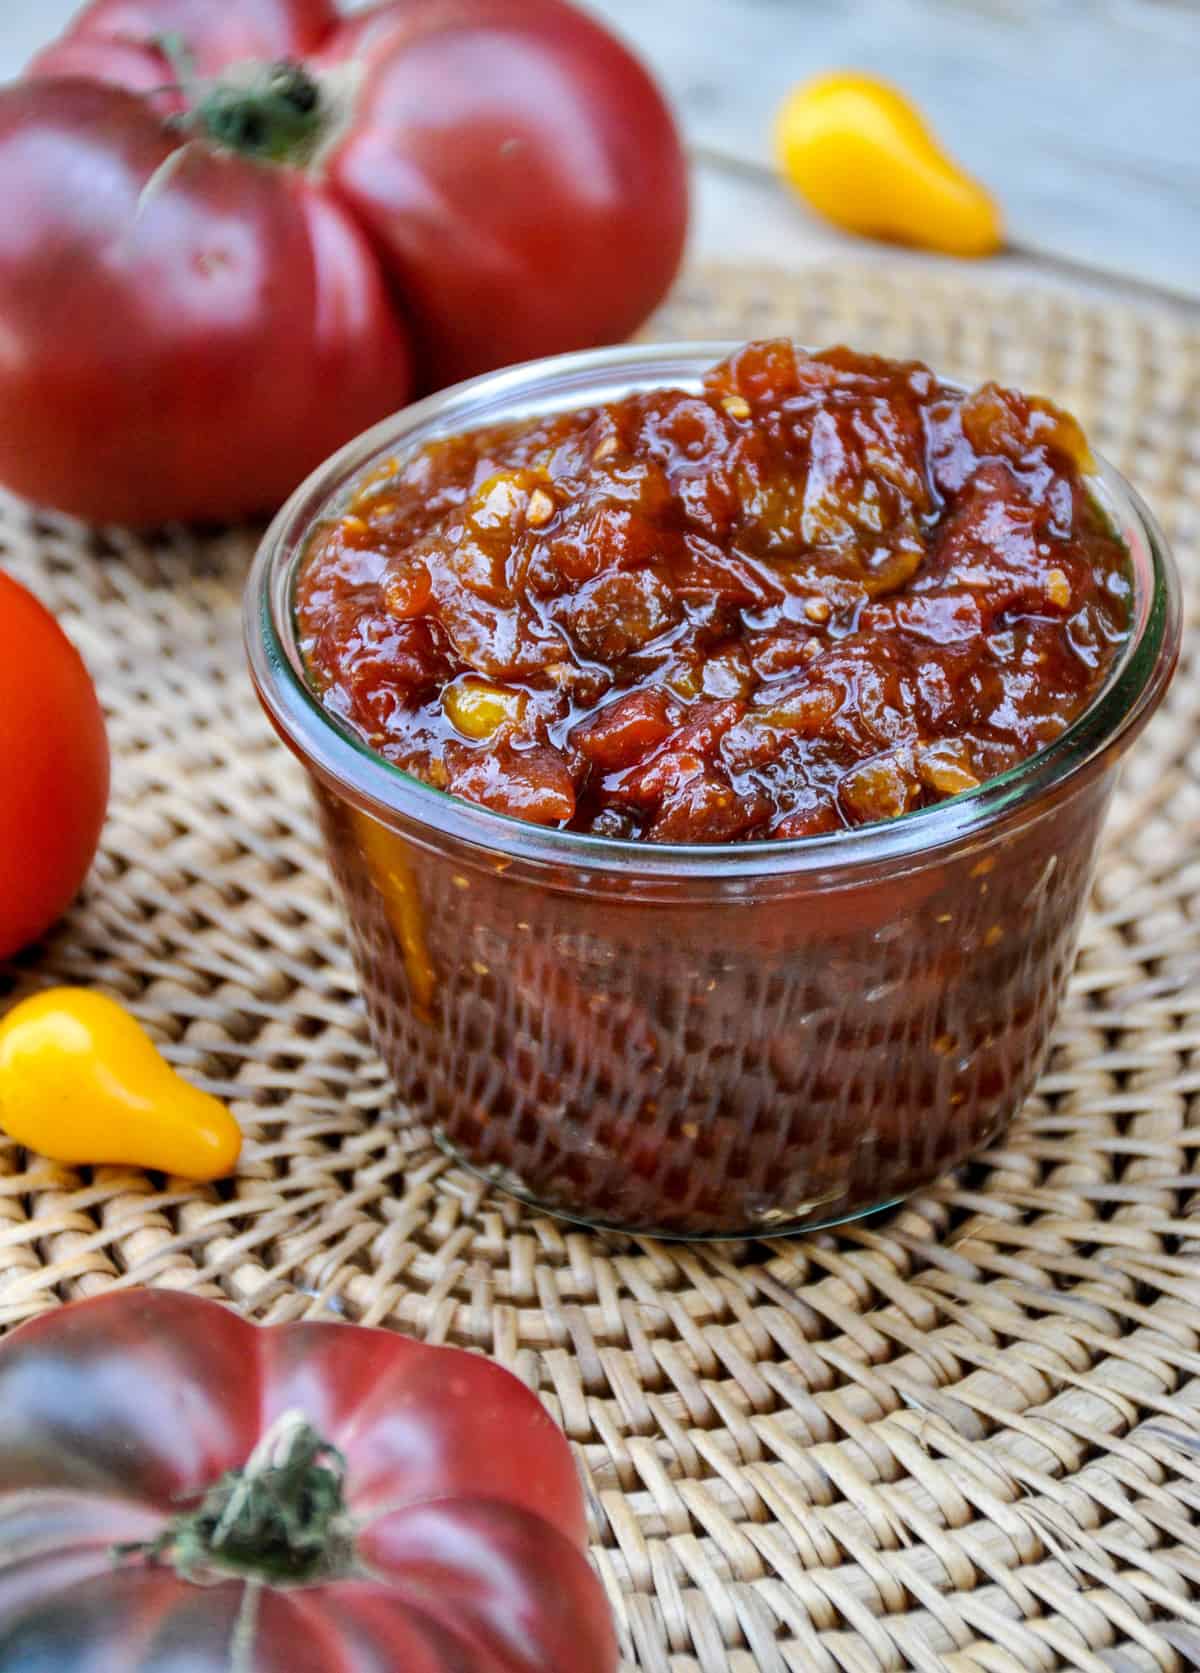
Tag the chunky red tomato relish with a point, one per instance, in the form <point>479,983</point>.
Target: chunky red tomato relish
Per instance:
<point>823,591</point>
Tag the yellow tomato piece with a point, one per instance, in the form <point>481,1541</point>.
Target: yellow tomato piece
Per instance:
<point>859,153</point>
<point>81,1081</point>
<point>387,861</point>
<point>477,709</point>
<point>946,766</point>
<point>499,499</point>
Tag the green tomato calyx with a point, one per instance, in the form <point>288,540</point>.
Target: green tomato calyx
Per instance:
<point>281,1518</point>
<point>276,113</point>
<point>273,113</point>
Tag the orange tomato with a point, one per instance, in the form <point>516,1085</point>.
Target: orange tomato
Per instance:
<point>53,768</point>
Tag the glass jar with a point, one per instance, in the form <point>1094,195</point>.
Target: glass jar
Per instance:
<point>703,1041</point>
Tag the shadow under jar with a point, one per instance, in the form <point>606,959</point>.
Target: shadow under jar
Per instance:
<point>704,1040</point>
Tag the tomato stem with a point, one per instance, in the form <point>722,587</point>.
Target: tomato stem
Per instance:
<point>273,112</point>
<point>276,112</point>
<point>281,1518</point>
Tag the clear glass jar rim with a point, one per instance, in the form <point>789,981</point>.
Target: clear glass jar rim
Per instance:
<point>1132,690</point>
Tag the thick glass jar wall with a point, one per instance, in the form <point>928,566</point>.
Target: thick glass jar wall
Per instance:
<point>712,1060</point>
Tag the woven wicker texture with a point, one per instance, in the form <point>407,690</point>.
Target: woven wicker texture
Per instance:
<point>964,1435</point>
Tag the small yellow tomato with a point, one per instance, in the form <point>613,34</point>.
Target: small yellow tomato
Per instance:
<point>81,1081</point>
<point>859,153</point>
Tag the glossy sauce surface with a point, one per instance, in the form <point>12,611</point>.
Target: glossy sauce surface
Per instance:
<point>822,592</point>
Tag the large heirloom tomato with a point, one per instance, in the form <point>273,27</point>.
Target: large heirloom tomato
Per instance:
<point>236,233</point>
<point>182,1490</point>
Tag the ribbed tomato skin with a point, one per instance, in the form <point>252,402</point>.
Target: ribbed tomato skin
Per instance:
<point>471,1544</point>
<point>187,331</point>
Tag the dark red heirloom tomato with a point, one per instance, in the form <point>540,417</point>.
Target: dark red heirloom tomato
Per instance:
<point>179,1488</point>
<point>237,233</point>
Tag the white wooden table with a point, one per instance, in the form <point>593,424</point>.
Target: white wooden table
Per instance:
<point>1082,115</point>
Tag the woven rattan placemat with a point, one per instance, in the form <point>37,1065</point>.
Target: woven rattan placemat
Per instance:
<point>965,1435</point>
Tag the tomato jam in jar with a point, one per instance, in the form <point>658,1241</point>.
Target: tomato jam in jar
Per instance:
<point>712,759</point>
